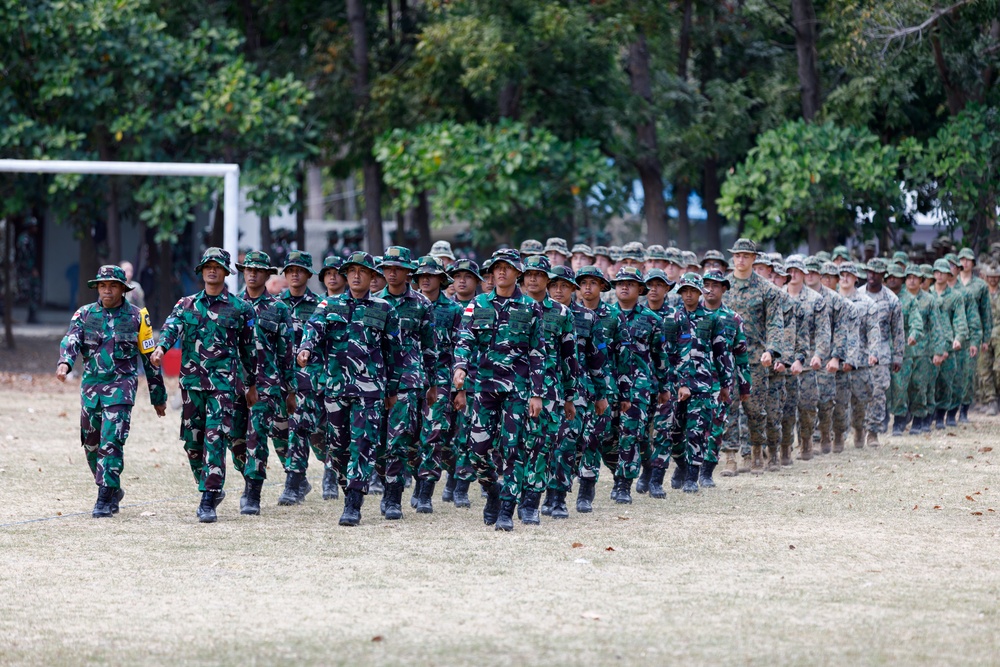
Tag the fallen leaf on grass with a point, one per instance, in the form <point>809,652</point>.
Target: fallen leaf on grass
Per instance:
<point>577,545</point>
<point>916,506</point>
<point>377,638</point>
<point>937,507</point>
<point>624,518</point>
<point>62,414</point>
<point>792,547</point>
<point>970,498</point>
<point>60,513</point>
<point>983,450</point>
<point>977,514</point>
<point>610,549</point>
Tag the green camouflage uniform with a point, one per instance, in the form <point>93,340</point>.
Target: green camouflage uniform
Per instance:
<point>977,294</point>
<point>909,392</point>
<point>736,342</point>
<point>989,363</point>
<point>305,424</point>
<point>438,419</point>
<point>955,326</point>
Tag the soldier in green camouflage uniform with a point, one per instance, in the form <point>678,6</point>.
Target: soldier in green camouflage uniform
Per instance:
<point>978,299</point>
<point>105,335</point>
<point>502,351</point>
<point>305,424</point>
<point>336,284</point>
<point>356,336</point>
<point>275,375</point>
<point>909,385</point>
<point>218,359</point>
<point>657,444</point>
<point>965,362</point>
<point>952,319</point>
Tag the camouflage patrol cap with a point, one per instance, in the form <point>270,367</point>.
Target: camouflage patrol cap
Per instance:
<point>630,273</point>
<point>830,269</point>
<point>583,249</point>
<point>298,258</point>
<point>716,276</point>
<point>674,256</point>
<point>763,258</point>
<point>602,251</point>
<point>615,252</point>
<point>927,271</point>
<point>531,247</point>
<point>966,253</point>
<point>634,251</point>
<point>901,258</point>
<point>217,255</point>
<point>823,256</point>
<point>593,272</point>
<point>397,255</point>
<point>109,273</point>
<point>896,271</point>
<point>466,265</point>
<point>430,266</point>
<point>716,256</point>
<point>913,270</point>
<point>743,245</point>
<point>564,273</point>
<point>942,265</point>
<point>362,259</point>
<point>556,244</point>
<point>539,263</point>
<point>510,257</point>
<point>656,274</point>
<point>842,252</point>
<point>690,259</point>
<point>877,265</point>
<point>257,259</point>
<point>442,249</point>
<point>331,263</point>
<point>656,252</point>
<point>691,279</point>
<point>952,259</point>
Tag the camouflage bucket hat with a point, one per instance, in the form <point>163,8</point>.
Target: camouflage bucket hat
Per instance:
<point>442,249</point>
<point>877,265</point>
<point>989,271</point>
<point>763,258</point>
<point>397,255</point>
<point>556,244</point>
<point>779,268</point>
<point>716,276</point>
<point>823,256</point>
<point>896,271</point>
<point>633,251</point>
<point>361,259</point>
<point>691,279</point>
<point>795,262</point>
<point>656,274</point>
<point>627,273</point>
<point>966,253</point>
<point>615,252</point>
<point>531,247</point>
<point>901,258</point>
<point>331,263</point>
<point>830,269</point>
<point>952,259</point>
<point>564,273</point>
<point>486,267</point>
<point>466,265</point>
<point>674,256</point>
<point>743,245</point>
<point>657,252</point>
<point>912,270</point>
<point>690,259</point>
<point>813,265</point>
<point>715,256</point>
<point>593,272</point>
<point>509,256</point>
<point>942,265</point>
<point>602,250</point>
<point>298,258</point>
<point>256,259</point>
<point>538,263</point>
<point>583,249</point>
<point>217,255</point>
<point>852,268</point>
<point>429,266</point>
<point>927,271</point>
<point>842,252</point>
<point>861,270</point>
<point>109,273</point>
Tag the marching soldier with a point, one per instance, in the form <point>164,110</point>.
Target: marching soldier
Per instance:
<point>988,376</point>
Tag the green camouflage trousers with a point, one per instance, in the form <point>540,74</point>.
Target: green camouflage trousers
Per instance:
<point>399,452</point>
<point>496,427</point>
<point>599,445</point>
<point>719,411</point>
<point>853,395</point>
<point>664,418</point>
<point>632,435</point>
<point>542,431</point>
<point>945,390</point>
<point>967,378</point>
<point>103,432</point>
<point>460,449</point>
<point>353,424</point>
<point>435,429</point>
<point>305,430</point>
<point>268,417</point>
<point>756,408</point>
<point>692,428</point>
<point>988,377</point>
<point>569,447</point>
<point>206,427</point>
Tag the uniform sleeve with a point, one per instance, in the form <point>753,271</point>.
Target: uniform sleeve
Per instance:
<point>314,330</point>
<point>286,351</point>
<point>916,323</point>
<point>871,323</point>
<point>671,351</point>
<point>658,355</point>
<point>972,316</point>
<point>536,355</point>
<point>959,323</point>
<point>774,331</point>
<point>429,346</point>
<point>392,353</point>
<point>624,362</point>
<point>741,359</point>
<point>721,356</point>
<point>801,332</point>
<point>567,353</point>
<point>822,332</point>
<point>172,328</point>
<point>985,313</point>
<point>465,340</point>
<point>896,330</point>
<point>69,348</point>
<point>154,381</point>
<point>941,325</point>
<point>248,344</point>
<point>595,357</point>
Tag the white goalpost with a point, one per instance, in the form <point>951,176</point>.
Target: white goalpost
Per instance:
<point>230,173</point>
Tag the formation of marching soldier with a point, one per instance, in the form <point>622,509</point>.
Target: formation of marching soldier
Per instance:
<point>530,372</point>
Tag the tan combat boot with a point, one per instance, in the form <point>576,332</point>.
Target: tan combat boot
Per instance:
<point>859,439</point>
<point>772,459</point>
<point>838,443</point>
<point>991,409</point>
<point>786,454</point>
<point>745,464</point>
<point>730,469</point>
<point>825,444</point>
<point>805,451</point>
<point>873,439</point>
<point>756,461</point>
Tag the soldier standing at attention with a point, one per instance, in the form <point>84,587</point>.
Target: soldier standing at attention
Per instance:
<point>218,358</point>
<point>909,396</point>
<point>889,350</point>
<point>843,326</point>
<point>857,375</point>
<point>557,252</point>
<point>978,296</point>
<point>501,339</point>
<point>331,277</point>
<point>106,334</point>
<point>357,336</point>
<point>966,363</point>
<point>952,317</point>
<point>275,375</point>
<point>417,382</point>
<point>764,267</point>
<point>758,303</point>
<point>989,375</point>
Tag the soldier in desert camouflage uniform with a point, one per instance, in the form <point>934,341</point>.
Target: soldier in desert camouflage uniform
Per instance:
<point>854,381</point>
<point>105,336</point>
<point>889,351</point>
<point>843,329</point>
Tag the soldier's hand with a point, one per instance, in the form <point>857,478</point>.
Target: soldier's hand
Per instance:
<point>797,367</point>
<point>157,357</point>
<point>62,370</point>
<point>624,406</point>
<point>956,344</point>
<point>744,398</point>
<point>302,358</point>
<point>602,407</point>
<point>161,410</point>
<point>535,406</point>
<point>765,360</point>
<point>973,351</point>
<point>985,347</point>
<point>663,398</point>
<point>432,395</point>
<point>896,367</point>
<point>460,400</point>
<point>848,367</point>
<point>569,410</point>
<point>291,402</point>
<point>937,360</point>
<point>390,401</point>
<point>911,341</point>
<point>872,360</point>
<point>779,367</point>
<point>815,363</point>
<point>683,394</point>
<point>251,396</point>
<point>458,379</point>
<point>724,395</point>
<point>833,365</point>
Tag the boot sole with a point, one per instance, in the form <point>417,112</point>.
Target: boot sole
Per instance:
<point>250,512</point>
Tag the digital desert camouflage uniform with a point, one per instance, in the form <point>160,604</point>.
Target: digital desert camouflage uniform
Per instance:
<point>889,352</point>
<point>854,386</point>
<point>218,359</point>
<point>843,331</point>
<point>989,364</point>
<point>107,342</point>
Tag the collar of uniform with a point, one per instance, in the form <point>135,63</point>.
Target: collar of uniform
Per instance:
<point>493,294</point>
<point>350,296</point>
<point>224,294</point>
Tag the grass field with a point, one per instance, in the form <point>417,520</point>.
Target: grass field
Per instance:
<point>884,556</point>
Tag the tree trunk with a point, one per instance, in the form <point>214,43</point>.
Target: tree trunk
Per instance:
<point>315,209</point>
<point>647,159</point>
<point>265,234</point>
<point>250,31</point>
<point>814,237</point>
<point>510,101</point>
<point>373,207</point>
<point>300,211</point>
<point>953,92</point>
<point>710,195</point>
<point>88,265</point>
<point>422,222</point>
<point>804,20</point>
<point>682,191</point>
<point>684,41</point>
<point>8,283</point>
<point>215,239</point>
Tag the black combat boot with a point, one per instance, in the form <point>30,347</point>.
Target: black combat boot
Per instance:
<point>220,495</point>
<point>376,486</point>
<point>462,493</point>
<point>492,507</point>
<point>642,483</point>
<point>939,420</point>
<point>615,489</point>
<point>550,499</point>
<point>963,414</point>
<point>206,510</point>
<point>705,476</point>
<point>393,501</point>
<point>530,514</point>
<point>448,495</point>
<point>656,483</point>
<point>418,483</point>
<point>559,509</point>
<point>950,418</point>
<point>304,488</point>
<point>290,494</point>
<point>680,473</point>
<point>585,495</point>
<point>624,492</point>
<point>116,499</point>
<point>691,479</point>
<point>246,489</point>
<point>898,426</point>
<point>102,508</point>
<point>353,499</point>
<point>425,503</point>
<point>505,519</point>
<point>251,505</point>
<point>919,426</point>
<point>330,489</point>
